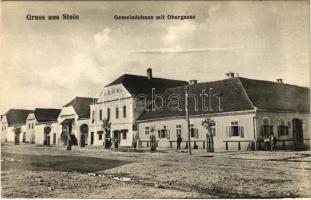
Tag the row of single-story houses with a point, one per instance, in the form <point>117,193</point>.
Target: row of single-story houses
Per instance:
<point>241,113</point>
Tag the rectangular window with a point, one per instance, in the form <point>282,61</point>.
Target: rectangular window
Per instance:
<point>235,130</point>
<point>178,130</point>
<point>100,135</point>
<point>164,133</point>
<point>100,115</point>
<point>32,125</point>
<point>194,131</point>
<point>124,111</point>
<point>124,135</point>
<point>108,113</point>
<point>213,128</point>
<point>117,113</point>
<point>29,125</point>
<point>93,117</point>
<point>147,130</point>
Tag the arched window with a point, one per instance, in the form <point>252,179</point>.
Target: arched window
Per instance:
<point>281,122</point>
<point>265,121</point>
<point>266,127</point>
<point>282,128</point>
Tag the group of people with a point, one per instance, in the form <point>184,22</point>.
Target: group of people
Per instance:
<point>270,143</point>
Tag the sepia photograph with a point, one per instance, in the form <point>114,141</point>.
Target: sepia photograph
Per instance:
<point>155,99</point>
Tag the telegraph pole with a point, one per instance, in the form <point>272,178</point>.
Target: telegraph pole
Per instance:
<point>187,117</point>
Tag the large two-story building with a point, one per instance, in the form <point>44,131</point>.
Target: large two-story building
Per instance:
<point>122,102</point>
<point>14,119</point>
<point>242,111</point>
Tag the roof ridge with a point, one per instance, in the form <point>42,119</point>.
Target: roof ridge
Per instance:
<point>269,81</point>
<point>245,93</point>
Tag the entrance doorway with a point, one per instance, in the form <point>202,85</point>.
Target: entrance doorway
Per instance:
<point>54,138</point>
<point>84,129</point>
<point>17,135</point>
<point>24,136</point>
<point>297,130</point>
<point>116,138</point>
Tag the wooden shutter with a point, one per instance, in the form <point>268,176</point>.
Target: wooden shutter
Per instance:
<point>228,131</point>
<point>241,131</point>
<point>168,134</point>
<point>159,133</point>
<point>279,131</point>
<point>196,133</point>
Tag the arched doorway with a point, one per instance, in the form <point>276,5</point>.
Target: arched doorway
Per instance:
<point>297,130</point>
<point>84,129</point>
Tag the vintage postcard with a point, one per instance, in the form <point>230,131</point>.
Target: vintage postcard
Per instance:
<point>155,99</point>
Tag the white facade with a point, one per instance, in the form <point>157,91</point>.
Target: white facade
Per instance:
<point>54,135</point>
<point>68,113</point>
<point>176,126</point>
<point>8,134</point>
<point>30,128</point>
<point>246,123</point>
<point>4,129</point>
<point>119,103</point>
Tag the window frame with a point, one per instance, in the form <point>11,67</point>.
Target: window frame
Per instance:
<point>124,111</point>
<point>178,130</point>
<point>100,114</point>
<point>147,130</point>
<point>117,113</point>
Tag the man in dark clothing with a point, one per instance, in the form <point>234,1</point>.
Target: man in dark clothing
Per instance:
<point>179,140</point>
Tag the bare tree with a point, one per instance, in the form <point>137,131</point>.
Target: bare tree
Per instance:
<point>207,124</point>
<point>107,128</point>
<point>17,130</point>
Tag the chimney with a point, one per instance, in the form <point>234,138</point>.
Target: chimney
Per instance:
<point>279,80</point>
<point>230,75</point>
<point>149,73</point>
<point>192,82</point>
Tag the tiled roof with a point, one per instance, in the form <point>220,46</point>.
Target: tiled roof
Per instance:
<point>236,94</point>
<point>274,96</point>
<point>46,114</point>
<point>82,106</point>
<point>17,116</point>
<point>137,85</point>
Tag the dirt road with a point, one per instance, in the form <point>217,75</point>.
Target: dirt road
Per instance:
<point>37,171</point>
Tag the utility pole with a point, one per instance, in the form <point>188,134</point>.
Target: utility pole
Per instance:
<point>187,117</point>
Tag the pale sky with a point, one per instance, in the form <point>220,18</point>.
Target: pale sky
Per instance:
<point>48,63</point>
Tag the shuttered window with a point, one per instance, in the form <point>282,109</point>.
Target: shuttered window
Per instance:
<point>164,133</point>
<point>235,130</point>
<point>194,132</point>
<point>266,130</point>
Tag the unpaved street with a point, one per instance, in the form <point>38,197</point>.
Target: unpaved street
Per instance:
<point>93,172</point>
